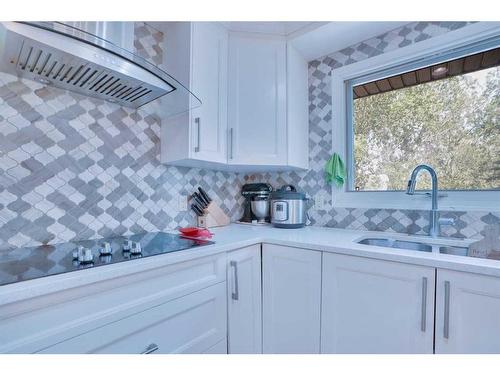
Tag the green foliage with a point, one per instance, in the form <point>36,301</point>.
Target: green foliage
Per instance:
<point>451,124</point>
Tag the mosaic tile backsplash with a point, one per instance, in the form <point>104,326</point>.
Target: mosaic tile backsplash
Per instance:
<point>468,224</point>
<point>75,168</point>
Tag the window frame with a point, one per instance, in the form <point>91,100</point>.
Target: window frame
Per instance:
<point>425,53</point>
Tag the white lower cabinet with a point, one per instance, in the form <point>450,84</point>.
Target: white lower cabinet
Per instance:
<point>376,306</point>
<point>191,324</point>
<point>467,313</point>
<point>264,299</point>
<point>244,298</point>
<point>291,299</point>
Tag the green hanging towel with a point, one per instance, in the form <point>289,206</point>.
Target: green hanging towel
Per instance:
<point>335,170</point>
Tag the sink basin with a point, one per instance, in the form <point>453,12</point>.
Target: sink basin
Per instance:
<point>397,244</point>
<point>415,245</point>
<point>454,250</point>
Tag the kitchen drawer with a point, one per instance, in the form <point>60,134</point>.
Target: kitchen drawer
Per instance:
<point>190,324</point>
<point>32,325</point>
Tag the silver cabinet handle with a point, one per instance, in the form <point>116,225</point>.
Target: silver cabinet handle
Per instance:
<point>446,328</point>
<point>197,121</point>
<point>235,293</point>
<point>423,321</point>
<point>150,349</point>
<point>231,143</point>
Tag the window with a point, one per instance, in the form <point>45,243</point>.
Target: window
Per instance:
<point>441,110</point>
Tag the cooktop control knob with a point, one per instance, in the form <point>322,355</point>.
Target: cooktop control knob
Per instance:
<point>127,245</point>
<point>87,256</point>
<point>80,254</point>
<point>105,248</point>
<point>105,258</point>
<point>136,248</point>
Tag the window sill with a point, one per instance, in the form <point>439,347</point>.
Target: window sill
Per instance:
<point>455,201</point>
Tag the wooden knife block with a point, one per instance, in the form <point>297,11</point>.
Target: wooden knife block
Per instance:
<point>214,217</point>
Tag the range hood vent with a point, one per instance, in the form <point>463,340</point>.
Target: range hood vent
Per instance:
<point>71,59</point>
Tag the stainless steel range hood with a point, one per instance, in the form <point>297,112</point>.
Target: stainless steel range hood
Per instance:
<point>72,59</point>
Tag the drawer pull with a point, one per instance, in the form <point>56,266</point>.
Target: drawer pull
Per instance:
<point>231,143</point>
<point>446,329</point>
<point>150,349</point>
<point>423,321</point>
<point>197,121</point>
<point>235,294</point>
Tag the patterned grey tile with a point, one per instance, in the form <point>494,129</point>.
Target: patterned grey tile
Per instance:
<point>320,141</point>
<point>77,168</point>
<point>74,168</point>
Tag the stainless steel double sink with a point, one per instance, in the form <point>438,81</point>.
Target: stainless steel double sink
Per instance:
<point>395,243</point>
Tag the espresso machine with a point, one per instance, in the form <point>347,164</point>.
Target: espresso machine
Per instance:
<point>256,205</point>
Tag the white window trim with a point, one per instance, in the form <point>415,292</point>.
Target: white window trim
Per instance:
<point>455,200</point>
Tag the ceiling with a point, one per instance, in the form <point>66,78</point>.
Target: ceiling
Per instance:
<point>276,28</point>
<point>435,72</point>
<point>334,36</point>
<point>313,39</point>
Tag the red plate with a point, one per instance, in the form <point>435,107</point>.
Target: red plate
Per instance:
<point>195,233</point>
<point>191,231</point>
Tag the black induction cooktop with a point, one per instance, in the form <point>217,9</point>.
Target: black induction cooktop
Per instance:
<point>34,262</point>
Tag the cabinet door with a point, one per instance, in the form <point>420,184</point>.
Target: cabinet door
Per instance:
<point>375,306</point>
<point>292,299</point>
<point>467,313</point>
<point>257,100</point>
<point>297,118</point>
<point>190,324</point>
<point>209,83</point>
<point>244,301</point>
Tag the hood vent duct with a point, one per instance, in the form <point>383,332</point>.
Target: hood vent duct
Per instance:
<point>51,54</point>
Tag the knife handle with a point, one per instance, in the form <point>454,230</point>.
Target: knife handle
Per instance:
<point>196,210</point>
<point>204,195</point>
<point>199,199</point>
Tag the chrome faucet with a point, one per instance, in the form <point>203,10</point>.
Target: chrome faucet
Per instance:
<point>434,221</point>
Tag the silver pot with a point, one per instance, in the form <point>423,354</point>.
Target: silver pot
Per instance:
<point>260,208</point>
<point>288,208</point>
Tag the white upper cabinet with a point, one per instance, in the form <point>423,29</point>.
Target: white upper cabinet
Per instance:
<point>254,94</point>
<point>297,110</point>
<point>209,81</point>
<point>257,100</point>
<point>267,103</point>
<point>467,313</point>
<point>376,306</point>
<point>196,54</point>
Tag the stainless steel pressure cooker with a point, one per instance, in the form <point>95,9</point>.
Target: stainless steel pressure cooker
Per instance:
<point>288,207</point>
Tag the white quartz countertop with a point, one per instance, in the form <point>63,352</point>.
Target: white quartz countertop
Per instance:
<point>237,236</point>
